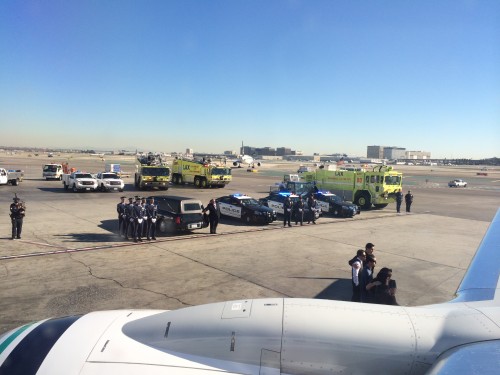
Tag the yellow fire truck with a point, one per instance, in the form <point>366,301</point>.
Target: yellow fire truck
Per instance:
<point>201,174</point>
<point>152,173</point>
<point>377,187</point>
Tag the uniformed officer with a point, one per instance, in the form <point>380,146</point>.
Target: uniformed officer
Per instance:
<point>312,204</point>
<point>287,211</point>
<point>298,208</point>
<point>144,218</point>
<point>120,210</point>
<point>408,200</point>
<point>151,213</point>
<point>399,200</point>
<point>17,213</point>
<point>138,219</point>
<point>130,223</point>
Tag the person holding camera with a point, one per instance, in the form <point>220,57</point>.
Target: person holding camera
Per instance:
<point>17,213</point>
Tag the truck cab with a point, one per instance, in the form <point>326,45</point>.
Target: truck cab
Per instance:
<point>52,171</point>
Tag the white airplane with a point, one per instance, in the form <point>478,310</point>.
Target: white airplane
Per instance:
<point>245,160</point>
<point>277,336</point>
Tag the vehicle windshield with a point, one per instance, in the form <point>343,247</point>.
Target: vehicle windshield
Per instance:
<point>110,175</point>
<point>50,168</point>
<point>83,175</point>
<point>221,171</point>
<point>392,180</point>
<point>249,202</point>
<point>147,171</point>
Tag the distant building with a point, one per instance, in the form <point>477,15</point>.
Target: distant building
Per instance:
<point>282,151</point>
<point>189,151</point>
<point>375,152</point>
<point>421,155</point>
<point>394,153</point>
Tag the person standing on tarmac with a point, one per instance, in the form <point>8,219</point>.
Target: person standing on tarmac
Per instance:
<point>213,215</point>
<point>287,211</point>
<point>399,200</point>
<point>17,213</point>
<point>145,218</point>
<point>151,212</point>
<point>408,200</point>
<point>298,208</point>
<point>129,219</point>
<point>312,204</point>
<point>120,209</point>
<point>138,218</point>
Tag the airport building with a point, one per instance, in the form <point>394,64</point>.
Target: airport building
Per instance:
<point>375,152</point>
<point>419,155</point>
<point>394,153</point>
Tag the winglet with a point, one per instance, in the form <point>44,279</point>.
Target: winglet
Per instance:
<point>480,282</point>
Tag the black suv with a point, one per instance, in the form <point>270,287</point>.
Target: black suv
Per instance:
<point>178,214</point>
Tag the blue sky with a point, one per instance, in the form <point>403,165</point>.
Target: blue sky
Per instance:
<point>317,76</point>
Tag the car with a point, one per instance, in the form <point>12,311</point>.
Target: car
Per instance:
<point>457,183</point>
<point>275,201</point>
<point>335,205</point>
<point>245,208</point>
<point>178,214</point>
<point>108,181</point>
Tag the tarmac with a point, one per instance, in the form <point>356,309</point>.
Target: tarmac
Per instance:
<point>71,261</point>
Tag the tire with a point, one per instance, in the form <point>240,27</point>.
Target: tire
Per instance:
<point>75,190</point>
<point>336,213</point>
<point>166,227</point>
<point>248,219</point>
<point>197,182</point>
<point>203,183</point>
<point>65,186</point>
<point>102,188</point>
<point>15,182</point>
<point>364,201</point>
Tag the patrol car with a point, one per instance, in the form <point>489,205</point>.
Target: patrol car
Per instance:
<point>333,204</point>
<point>276,201</point>
<point>245,208</point>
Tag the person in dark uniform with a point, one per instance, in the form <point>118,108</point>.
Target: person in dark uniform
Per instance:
<point>129,219</point>
<point>17,213</point>
<point>399,200</point>
<point>287,211</point>
<point>138,219</point>
<point>151,212</point>
<point>312,204</point>
<point>298,209</point>
<point>120,210</point>
<point>408,200</point>
<point>213,215</point>
<point>145,218</point>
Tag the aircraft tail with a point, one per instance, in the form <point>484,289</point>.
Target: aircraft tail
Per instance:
<point>480,282</point>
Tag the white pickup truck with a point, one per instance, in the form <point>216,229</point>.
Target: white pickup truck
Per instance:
<point>108,181</point>
<point>79,181</point>
<point>10,176</point>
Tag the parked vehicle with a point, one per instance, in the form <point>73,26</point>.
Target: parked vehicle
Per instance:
<point>52,171</point>
<point>276,200</point>
<point>178,214</point>
<point>11,176</point>
<point>335,205</point>
<point>245,208</point>
<point>108,181</point>
<point>201,174</point>
<point>457,183</point>
<point>79,181</point>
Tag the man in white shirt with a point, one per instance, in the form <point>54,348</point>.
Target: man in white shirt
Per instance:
<point>356,266</point>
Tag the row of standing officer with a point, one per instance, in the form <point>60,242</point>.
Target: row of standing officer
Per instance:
<point>137,219</point>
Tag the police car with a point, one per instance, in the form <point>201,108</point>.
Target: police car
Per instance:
<point>245,208</point>
<point>333,204</point>
<point>276,202</point>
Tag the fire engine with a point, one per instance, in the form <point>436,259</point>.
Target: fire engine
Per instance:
<point>375,187</point>
<point>201,174</point>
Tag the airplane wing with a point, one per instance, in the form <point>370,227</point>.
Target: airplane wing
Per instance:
<point>480,282</point>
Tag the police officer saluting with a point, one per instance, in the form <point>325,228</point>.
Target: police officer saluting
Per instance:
<point>120,210</point>
<point>151,212</point>
<point>17,212</point>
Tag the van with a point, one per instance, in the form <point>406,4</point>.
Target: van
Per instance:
<point>178,214</point>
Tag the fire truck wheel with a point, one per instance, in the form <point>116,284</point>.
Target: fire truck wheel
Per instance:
<point>203,183</point>
<point>364,201</point>
<point>197,182</point>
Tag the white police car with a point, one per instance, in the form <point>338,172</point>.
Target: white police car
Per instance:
<point>276,202</point>
<point>333,204</point>
<point>245,208</point>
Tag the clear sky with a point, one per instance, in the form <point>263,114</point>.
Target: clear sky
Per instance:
<point>322,76</point>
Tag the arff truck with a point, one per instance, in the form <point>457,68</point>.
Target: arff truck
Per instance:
<point>152,173</point>
<point>200,174</point>
<point>365,188</point>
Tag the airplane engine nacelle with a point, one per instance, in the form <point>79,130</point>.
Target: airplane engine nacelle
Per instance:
<point>236,164</point>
